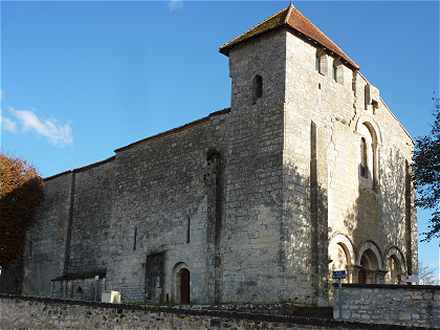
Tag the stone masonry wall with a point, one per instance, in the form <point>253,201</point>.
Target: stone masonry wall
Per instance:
<point>11,277</point>
<point>359,215</point>
<point>413,305</point>
<point>38,313</point>
<point>251,246</point>
<point>93,199</point>
<point>161,207</point>
<point>150,198</point>
<point>46,240</point>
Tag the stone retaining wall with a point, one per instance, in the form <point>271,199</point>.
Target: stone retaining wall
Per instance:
<point>416,305</point>
<point>43,313</point>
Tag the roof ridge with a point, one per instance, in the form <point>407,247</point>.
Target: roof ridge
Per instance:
<point>293,19</point>
<point>324,34</point>
<point>255,26</point>
<point>289,12</point>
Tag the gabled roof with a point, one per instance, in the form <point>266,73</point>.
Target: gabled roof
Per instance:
<point>291,18</point>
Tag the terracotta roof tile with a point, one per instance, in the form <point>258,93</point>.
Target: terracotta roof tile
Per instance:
<point>292,18</point>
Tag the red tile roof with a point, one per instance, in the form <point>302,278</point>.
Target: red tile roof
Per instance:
<point>291,18</point>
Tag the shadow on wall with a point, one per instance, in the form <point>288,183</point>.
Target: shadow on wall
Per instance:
<point>17,209</point>
<point>305,234</point>
<point>376,226</point>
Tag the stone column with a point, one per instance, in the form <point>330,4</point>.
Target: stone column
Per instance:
<point>354,270</point>
<point>380,276</point>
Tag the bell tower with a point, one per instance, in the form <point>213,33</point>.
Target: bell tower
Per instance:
<point>252,245</point>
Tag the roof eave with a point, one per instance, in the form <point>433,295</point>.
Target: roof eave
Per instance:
<point>227,47</point>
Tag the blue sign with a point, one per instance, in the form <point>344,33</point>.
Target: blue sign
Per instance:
<point>339,274</point>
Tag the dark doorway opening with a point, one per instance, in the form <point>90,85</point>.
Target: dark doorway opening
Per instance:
<point>184,286</point>
<point>370,265</point>
<point>362,276</point>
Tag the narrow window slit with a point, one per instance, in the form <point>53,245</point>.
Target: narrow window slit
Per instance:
<point>188,230</point>
<point>135,238</point>
<point>257,88</point>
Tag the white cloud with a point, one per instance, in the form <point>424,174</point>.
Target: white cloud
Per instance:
<point>8,124</point>
<point>174,5</point>
<point>56,133</point>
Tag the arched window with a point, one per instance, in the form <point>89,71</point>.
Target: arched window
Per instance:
<point>364,158</point>
<point>368,158</point>
<point>257,88</point>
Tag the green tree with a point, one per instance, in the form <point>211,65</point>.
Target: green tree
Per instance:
<point>21,192</point>
<point>426,171</point>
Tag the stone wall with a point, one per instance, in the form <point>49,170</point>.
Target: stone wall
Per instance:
<point>11,277</point>
<point>413,305</point>
<point>157,197</point>
<point>91,212</point>
<point>374,213</point>
<point>252,263</point>
<point>161,207</point>
<point>45,253</point>
<point>43,313</point>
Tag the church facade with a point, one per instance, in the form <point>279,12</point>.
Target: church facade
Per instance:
<point>307,172</point>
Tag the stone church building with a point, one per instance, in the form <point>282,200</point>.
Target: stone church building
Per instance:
<point>306,172</point>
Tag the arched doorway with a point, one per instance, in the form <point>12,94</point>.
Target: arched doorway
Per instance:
<point>369,267</point>
<point>341,256</point>
<point>340,260</point>
<point>184,286</point>
<point>394,273</point>
<point>395,266</point>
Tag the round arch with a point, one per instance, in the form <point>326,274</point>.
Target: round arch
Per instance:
<point>372,126</point>
<point>370,246</point>
<point>341,256</point>
<point>345,243</point>
<point>394,252</point>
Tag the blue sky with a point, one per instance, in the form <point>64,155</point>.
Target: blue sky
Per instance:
<point>80,79</point>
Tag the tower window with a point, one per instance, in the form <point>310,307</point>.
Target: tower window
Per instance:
<point>135,238</point>
<point>257,88</point>
<point>321,62</point>
<point>338,71</point>
<point>364,158</point>
<point>188,230</point>
<point>317,61</point>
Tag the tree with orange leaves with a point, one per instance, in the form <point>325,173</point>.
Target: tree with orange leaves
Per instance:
<point>21,192</point>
